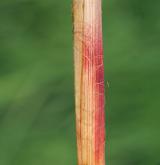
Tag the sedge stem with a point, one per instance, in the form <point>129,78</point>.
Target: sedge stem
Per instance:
<point>89,82</point>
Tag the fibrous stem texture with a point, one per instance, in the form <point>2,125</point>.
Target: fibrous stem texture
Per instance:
<point>89,82</point>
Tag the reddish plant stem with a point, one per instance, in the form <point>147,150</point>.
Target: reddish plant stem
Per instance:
<point>89,82</point>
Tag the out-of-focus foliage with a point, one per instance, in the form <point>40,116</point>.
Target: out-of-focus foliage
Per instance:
<point>37,125</point>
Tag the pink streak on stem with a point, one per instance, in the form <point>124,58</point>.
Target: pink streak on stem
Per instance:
<point>93,65</point>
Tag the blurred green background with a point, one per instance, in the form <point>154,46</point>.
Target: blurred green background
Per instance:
<point>37,125</point>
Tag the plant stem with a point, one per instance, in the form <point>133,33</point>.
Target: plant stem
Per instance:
<point>89,82</point>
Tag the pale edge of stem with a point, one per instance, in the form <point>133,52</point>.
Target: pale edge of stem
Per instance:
<point>89,82</point>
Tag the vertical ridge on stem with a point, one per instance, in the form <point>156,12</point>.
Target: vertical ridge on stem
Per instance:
<point>89,82</point>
